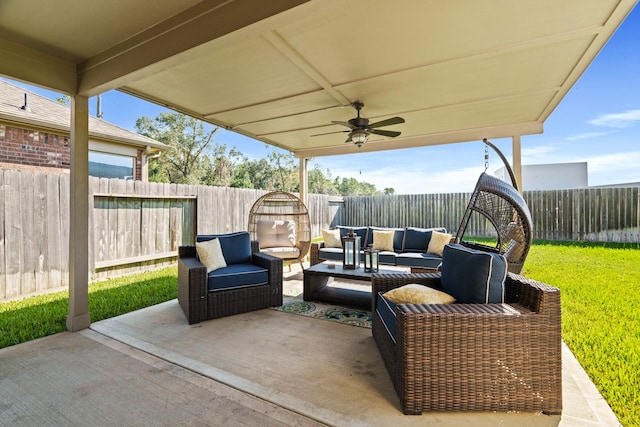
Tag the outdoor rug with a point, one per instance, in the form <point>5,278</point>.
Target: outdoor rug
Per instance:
<point>317,310</point>
<point>294,303</point>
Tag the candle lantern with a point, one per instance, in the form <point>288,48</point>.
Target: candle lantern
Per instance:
<point>371,260</point>
<point>351,251</point>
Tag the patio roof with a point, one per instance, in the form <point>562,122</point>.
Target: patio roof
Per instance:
<point>281,71</point>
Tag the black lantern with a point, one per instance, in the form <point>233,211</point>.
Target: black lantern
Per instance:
<point>351,251</point>
<point>371,260</point>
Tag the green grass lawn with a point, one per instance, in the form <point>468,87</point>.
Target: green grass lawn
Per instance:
<point>43,315</point>
<point>600,309</point>
<point>600,315</point>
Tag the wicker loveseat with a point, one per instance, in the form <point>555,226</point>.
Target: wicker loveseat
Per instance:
<point>251,280</point>
<point>460,357</point>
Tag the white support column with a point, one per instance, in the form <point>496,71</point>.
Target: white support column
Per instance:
<point>517,160</point>
<point>304,180</point>
<point>79,317</point>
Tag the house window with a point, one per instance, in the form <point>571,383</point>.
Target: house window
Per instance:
<point>103,165</point>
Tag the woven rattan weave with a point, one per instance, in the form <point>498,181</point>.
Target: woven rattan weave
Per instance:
<point>464,357</point>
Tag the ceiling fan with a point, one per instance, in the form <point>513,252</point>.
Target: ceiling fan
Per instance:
<point>360,128</point>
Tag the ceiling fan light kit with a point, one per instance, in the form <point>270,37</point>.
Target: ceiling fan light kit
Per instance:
<point>359,137</point>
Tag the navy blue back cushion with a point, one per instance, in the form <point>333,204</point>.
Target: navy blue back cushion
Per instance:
<point>358,231</point>
<point>473,276</point>
<point>417,239</point>
<point>236,247</point>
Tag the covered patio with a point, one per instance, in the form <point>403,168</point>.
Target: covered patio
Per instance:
<point>265,367</point>
<point>283,72</point>
<point>280,72</point>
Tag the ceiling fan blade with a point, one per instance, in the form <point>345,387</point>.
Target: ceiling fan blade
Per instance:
<point>349,139</point>
<point>391,133</point>
<point>387,122</point>
<point>349,125</point>
<point>330,133</point>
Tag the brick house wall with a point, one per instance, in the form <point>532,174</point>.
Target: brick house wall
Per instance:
<point>32,150</point>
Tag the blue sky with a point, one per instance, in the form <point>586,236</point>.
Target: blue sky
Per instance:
<point>598,122</point>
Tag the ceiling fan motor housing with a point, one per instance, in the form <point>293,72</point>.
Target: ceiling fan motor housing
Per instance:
<point>359,122</point>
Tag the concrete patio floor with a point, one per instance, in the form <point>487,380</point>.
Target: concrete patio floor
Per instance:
<point>265,368</point>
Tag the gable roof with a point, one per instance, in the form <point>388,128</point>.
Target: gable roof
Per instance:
<point>46,114</point>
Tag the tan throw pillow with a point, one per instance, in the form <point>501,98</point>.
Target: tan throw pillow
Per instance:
<point>437,242</point>
<point>210,253</point>
<point>331,238</point>
<point>383,240</point>
<point>418,294</point>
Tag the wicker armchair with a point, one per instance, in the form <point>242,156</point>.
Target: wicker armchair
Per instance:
<point>202,301</point>
<point>485,357</point>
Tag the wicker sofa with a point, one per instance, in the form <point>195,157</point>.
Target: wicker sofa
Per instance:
<point>410,246</point>
<point>460,357</point>
<point>251,280</point>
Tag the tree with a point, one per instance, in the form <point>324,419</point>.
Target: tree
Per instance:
<point>284,166</point>
<point>321,184</point>
<point>242,176</point>
<point>389,191</point>
<point>64,100</point>
<point>194,159</point>
<point>223,164</point>
<point>185,162</point>
<point>353,187</point>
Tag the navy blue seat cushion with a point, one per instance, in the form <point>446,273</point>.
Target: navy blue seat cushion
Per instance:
<point>385,257</point>
<point>333,254</point>
<point>358,231</point>
<point>398,237</point>
<point>417,239</point>
<point>473,276</point>
<point>387,311</point>
<point>236,247</point>
<point>236,276</point>
<point>418,259</point>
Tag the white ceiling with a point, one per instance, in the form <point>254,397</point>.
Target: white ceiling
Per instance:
<point>281,71</point>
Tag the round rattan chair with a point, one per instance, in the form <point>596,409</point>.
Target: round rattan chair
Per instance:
<point>279,222</point>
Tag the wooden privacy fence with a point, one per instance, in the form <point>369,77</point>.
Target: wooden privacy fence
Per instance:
<point>592,215</point>
<point>136,225</point>
<point>133,225</point>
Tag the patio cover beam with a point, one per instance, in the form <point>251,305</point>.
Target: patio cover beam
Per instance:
<point>159,47</point>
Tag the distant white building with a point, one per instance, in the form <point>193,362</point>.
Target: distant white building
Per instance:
<point>552,176</point>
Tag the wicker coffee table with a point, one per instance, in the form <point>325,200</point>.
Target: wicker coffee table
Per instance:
<point>317,278</point>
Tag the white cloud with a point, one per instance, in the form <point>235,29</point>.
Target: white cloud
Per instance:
<point>614,162</point>
<point>617,120</point>
<point>537,152</point>
<point>585,135</point>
